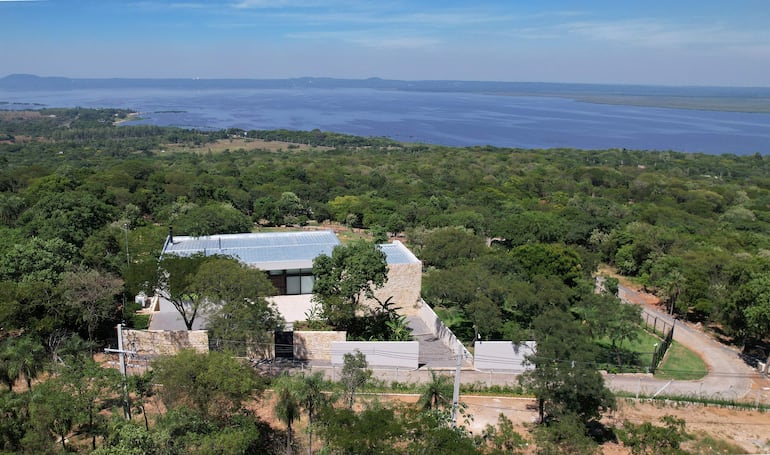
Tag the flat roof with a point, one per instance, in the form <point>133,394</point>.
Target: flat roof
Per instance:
<point>397,253</point>
<point>275,250</point>
<point>265,250</point>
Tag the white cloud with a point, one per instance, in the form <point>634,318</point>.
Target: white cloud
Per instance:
<point>651,33</point>
<point>371,40</point>
<point>259,4</point>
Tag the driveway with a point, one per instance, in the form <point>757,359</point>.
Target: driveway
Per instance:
<point>728,377</point>
<point>168,318</point>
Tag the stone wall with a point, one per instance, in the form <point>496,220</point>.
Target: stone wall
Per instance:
<point>152,343</point>
<point>316,345</point>
<point>404,285</point>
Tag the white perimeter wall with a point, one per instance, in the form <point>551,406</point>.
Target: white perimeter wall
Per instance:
<point>502,356</point>
<point>402,354</point>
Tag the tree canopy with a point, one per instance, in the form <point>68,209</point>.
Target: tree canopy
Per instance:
<point>350,274</point>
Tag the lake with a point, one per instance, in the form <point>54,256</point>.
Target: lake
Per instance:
<point>457,119</point>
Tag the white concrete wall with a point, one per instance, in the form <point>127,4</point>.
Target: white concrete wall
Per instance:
<point>502,356</point>
<point>401,354</point>
<point>293,308</point>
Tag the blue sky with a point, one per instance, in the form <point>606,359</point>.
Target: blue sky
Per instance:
<point>673,42</point>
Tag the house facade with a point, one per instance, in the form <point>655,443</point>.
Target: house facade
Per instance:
<point>287,258</point>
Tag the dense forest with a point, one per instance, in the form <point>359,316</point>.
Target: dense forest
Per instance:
<point>693,228</point>
<point>509,238</point>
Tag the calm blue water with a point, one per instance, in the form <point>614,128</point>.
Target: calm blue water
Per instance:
<point>440,118</point>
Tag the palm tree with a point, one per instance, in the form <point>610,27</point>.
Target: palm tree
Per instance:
<point>437,393</point>
<point>30,358</point>
<point>312,399</point>
<point>673,283</point>
<point>287,407</point>
<point>9,371</point>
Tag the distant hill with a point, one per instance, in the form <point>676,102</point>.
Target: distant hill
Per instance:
<point>33,82</point>
<point>745,99</point>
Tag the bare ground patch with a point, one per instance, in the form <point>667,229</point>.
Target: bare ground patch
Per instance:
<point>233,144</point>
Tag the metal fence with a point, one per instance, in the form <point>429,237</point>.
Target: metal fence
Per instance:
<point>659,324</point>
<point>660,351</point>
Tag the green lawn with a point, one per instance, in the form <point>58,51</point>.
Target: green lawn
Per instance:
<point>682,364</point>
<point>636,355</point>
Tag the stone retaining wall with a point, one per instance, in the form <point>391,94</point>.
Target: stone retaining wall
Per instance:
<point>152,343</point>
<point>315,345</point>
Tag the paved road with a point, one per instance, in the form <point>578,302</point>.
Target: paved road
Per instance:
<point>167,318</point>
<point>728,378</point>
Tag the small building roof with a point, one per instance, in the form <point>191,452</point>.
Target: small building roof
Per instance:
<point>275,250</point>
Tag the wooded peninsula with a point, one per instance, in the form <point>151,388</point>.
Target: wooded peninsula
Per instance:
<point>509,238</point>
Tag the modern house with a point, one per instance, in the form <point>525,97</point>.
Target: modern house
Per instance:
<point>287,258</point>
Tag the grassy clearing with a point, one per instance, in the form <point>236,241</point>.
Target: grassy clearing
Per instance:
<point>681,364</point>
<point>635,355</point>
<point>233,144</point>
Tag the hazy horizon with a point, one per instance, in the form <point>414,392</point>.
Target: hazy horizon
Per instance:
<point>376,78</point>
<point>706,43</point>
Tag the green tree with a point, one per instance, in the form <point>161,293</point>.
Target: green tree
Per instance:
<point>351,273</point>
<point>9,369</point>
<point>646,438</point>
<point>449,246</point>
<point>238,311</point>
<point>436,393</point>
<point>11,206</point>
<point>606,316</point>
<point>28,357</point>
<point>313,400</point>
<point>14,420</point>
<point>52,410</point>
<point>564,380</point>
<point>141,385</point>
<point>212,219</point>
<point>89,385</point>
<point>355,374</point>
<point>71,216</point>
<point>503,439</point>
<point>91,294</point>
<point>375,430</point>
<point>566,434</point>
<point>177,283</point>
<point>213,385</point>
<point>37,260</point>
<point>292,209</point>
<point>549,260</point>
<point>429,432</point>
<point>288,404</point>
<point>751,308</point>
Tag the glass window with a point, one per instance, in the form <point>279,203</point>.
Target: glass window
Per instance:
<point>293,285</point>
<point>307,283</point>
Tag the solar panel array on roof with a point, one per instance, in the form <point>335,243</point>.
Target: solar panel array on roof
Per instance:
<point>276,250</point>
<point>267,251</point>
<point>397,253</point>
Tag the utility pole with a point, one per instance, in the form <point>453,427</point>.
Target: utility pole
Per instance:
<point>128,266</point>
<point>456,394</point>
<point>122,356</point>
